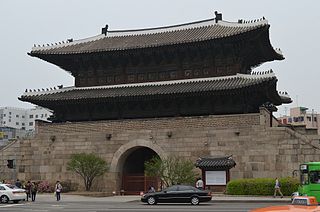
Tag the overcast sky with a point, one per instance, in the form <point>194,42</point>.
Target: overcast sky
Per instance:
<point>295,29</point>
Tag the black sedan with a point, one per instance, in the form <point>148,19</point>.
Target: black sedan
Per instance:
<point>177,194</point>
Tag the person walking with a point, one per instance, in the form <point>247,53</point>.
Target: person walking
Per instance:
<point>277,188</point>
<point>18,183</point>
<point>151,189</point>
<point>58,189</point>
<point>34,189</point>
<point>199,184</point>
<point>28,190</point>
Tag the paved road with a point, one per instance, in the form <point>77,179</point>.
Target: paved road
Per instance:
<point>127,207</point>
<point>89,204</point>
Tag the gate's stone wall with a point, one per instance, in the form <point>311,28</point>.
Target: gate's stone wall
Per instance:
<point>258,149</point>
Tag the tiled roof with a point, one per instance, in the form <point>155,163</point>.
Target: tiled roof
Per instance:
<point>152,37</point>
<point>175,87</point>
<point>215,163</point>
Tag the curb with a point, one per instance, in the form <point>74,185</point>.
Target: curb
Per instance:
<point>252,201</point>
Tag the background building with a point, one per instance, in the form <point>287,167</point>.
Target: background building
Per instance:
<point>19,122</point>
<point>302,116</point>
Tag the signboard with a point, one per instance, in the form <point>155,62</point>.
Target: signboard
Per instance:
<point>1,134</point>
<point>216,178</point>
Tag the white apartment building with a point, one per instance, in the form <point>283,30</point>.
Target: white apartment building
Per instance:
<point>19,123</point>
<point>302,116</point>
<point>23,119</point>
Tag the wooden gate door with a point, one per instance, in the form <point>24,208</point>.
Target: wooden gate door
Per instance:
<point>134,184</point>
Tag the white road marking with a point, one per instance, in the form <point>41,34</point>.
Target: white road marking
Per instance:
<point>10,205</point>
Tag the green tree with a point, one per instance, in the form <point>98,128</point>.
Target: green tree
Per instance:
<point>88,166</point>
<point>171,170</point>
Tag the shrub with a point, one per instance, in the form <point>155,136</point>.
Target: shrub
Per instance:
<point>261,186</point>
<point>68,186</point>
<point>45,187</point>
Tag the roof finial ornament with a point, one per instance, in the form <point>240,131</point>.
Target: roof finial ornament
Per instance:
<point>218,16</point>
<point>105,30</point>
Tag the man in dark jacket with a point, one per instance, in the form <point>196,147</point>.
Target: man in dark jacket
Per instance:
<point>18,183</point>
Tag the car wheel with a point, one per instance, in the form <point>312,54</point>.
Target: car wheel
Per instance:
<point>4,199</point>
<point>195,200</point>
<point>151,200</point>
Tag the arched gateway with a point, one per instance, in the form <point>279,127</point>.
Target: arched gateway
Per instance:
<point>128,161</point>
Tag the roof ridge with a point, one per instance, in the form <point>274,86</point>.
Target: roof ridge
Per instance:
<point>164,27</point>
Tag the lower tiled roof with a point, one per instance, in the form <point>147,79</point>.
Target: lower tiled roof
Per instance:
<point>215,163</point>
<point>189,86</point>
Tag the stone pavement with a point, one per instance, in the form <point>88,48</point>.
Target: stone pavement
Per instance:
<point>131,198</point>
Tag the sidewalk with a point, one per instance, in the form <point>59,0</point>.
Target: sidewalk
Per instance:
<point>232,198</point>
<point>133,198</point>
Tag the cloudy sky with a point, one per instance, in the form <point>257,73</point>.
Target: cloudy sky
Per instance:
<point>295,29</point>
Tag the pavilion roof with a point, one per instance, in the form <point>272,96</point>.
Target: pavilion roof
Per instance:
<point>119,40</point>
<point>215,163</point>
<point>141,90</point>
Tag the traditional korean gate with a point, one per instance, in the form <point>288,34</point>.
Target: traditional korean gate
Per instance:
<point>134,184</point>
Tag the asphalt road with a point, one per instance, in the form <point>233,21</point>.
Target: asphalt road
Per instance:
<point>100,206</point>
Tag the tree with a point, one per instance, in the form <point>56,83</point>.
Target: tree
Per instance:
<point>171,170</point>
<point>88,166</point>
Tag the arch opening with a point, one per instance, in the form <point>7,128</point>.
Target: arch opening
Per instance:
<point>133,178</point>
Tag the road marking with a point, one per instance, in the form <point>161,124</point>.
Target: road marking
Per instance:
<point>10,205</point>
<point>179,209</point>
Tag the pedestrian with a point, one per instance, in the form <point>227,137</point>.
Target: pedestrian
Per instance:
<point>58,189</point>
<point>151,189</point>
<point>277,188</point>
<point>28,190</point>
<point>18,183</point>
<point>34,189</point>
<point>199,184</point>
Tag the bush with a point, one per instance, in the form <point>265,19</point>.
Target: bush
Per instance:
<point>261,186</point>
<point>45,187</point>
<point>68,186</point>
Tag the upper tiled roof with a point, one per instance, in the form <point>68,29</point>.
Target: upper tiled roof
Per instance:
<point>215,163</point>
<point>152,37</point>
<point>190,86</point>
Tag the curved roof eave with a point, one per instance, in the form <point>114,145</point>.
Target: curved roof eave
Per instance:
<point>152,37</point>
